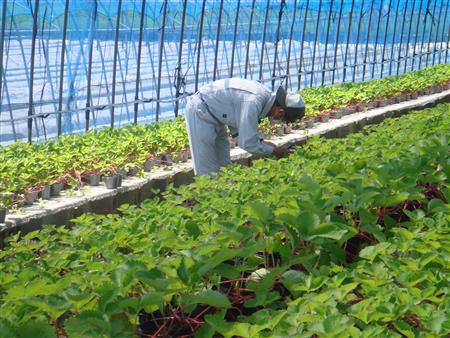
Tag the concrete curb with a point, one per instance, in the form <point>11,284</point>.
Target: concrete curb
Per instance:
<point>60,210</point>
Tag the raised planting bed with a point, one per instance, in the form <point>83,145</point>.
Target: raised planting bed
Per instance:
<point>134,190</point>
<point>27,170</point>
<point>346,237</point>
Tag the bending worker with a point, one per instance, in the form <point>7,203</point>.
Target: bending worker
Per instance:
<point>239,104</point>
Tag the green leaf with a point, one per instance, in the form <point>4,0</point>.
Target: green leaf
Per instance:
<point>329,230</point>
<point>435,204</point>
<point>370,252</point>
<point>306,222</point>
<point>88,324</point>
<point>404,328</point>
<point>218,258</point>
<point>209,297</point>
<point>182,271</point>
<point>152,301</point>
<point>259,211</point>
<point>35,329</point>
<point>435,324</point>
<point>6,329</point>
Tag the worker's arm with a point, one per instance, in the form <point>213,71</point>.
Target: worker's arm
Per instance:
<point>249,139</point>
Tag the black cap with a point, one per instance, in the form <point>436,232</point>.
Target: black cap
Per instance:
<point>293,104</point>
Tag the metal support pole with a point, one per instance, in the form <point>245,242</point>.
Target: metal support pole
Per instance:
<point>350,17</point>
<point>367,41</point>
<point>393,38</point>
<point>383,60</point>
<point>2,39</point>
<point>417,33</point>
<point>247,55</point>
<point>300,69</point>
<point>216,52</point>
<point>290,44</point>
<point>179,79</point>
<point>427,12</point>
<point>315,43</point>
<point>443,34</point>
<point>409,35</point>
<point>357,41</point>
<point>447,46</point>
<point>161,49</point>
<point>116,51</point>
<point>431,31</point>
<point>376,40</point>
<point>89,73</point>
<point>138,69</point>
<point>337,41</point>
<point>31,84</point>
<point>436,36</point>
<point>277,39</point>
<point>199,43</point>
<point>263,44</point>
<point>401,38</point>
<point>326,43</point>
<point>236,22</point>
<point>62,64</point>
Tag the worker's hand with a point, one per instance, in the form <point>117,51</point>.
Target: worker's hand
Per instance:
<point>280,152</point>
<point>233,141</point>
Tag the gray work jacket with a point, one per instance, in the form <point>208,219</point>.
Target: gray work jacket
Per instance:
<point>240,104</point>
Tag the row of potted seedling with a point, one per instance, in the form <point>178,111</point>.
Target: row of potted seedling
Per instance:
<point>110,177</point>
<point>354,107</point>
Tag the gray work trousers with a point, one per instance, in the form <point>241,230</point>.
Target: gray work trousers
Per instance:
<point>208,138</point>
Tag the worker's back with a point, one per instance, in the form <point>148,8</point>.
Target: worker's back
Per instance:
<point>227,97</point>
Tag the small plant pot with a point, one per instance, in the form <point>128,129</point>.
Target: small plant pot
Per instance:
<point>45,192</point>
<point>422,92</point>
<point>93,179</point>
<point>350,110</point>
<point>446,86</point>
<point>31,196</point>
<point>391,100</point>
<point>405,97</point>
<point>168,159</point>
<point>183,156</point>
<point>324,117</point>
<point>133,171</point>
<point>2,214</point>
<point>56,188</point>
<point>186,154</point>
<point>382,103</point>
<point>309,123</point>
<point>358,107</point>
<point>438,88</point>
<point>336,114</point>
<point>122,172</point>
<point>414,96</point>
<point>399,99</point>
<point>149,164</point>
<point>373,104</point>
<point>112,182</point>
<point>279,131</point>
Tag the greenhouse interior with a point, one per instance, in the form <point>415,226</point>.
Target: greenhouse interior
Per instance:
<point>224,168</point>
